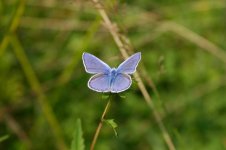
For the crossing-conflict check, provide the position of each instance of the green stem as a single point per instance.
(13, 26)
(36, 87)
(100, 124)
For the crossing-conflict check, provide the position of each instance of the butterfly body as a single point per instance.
(108, 79)
(112, 75)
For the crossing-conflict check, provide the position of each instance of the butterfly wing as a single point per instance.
(99, 83)
(129, 65)
(94, 65)
(121, 83)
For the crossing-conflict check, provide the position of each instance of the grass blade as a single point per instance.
(78, 140)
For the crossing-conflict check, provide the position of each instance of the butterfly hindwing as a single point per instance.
(94, 65)
(121, 83)
(129, 65)
(99, 83)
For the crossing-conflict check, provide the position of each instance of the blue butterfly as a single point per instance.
(108, 79)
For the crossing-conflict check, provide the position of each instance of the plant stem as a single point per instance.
(36, 87)
(100, 124)
(13, 26)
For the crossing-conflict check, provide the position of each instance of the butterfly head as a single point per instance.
(113, 72)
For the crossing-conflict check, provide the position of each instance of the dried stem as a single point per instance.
(113, 30)
(100, 125)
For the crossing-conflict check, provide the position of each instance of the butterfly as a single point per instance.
(108, 79)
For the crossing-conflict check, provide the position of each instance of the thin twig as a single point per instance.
(100, 125)
(113, 30)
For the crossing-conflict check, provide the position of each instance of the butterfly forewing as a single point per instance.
(99, 83)
(129, 65)
(121, 83)
(94, 65)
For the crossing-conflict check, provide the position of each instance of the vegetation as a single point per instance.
(43, 84)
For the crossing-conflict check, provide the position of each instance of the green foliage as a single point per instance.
(112, 124)
(43, 84)
(3, 138)
(105, 96)
(78, 140)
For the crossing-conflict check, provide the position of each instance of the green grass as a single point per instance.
(43, 85)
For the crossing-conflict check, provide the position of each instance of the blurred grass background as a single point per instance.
(43, 85)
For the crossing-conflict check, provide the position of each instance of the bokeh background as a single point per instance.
(43, 85)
